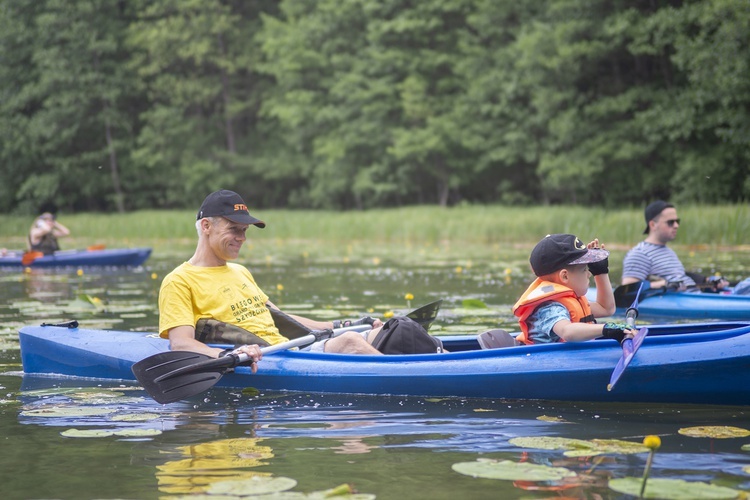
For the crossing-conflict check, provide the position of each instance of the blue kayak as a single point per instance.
(663, 304)
(706, 363)
(76, 258)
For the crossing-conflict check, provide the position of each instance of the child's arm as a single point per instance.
(579, 332)
(605, 299)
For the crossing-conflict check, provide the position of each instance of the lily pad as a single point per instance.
(672, 489)
(545, 418)
(257, 485)
(715, 431)
(609, 446)
(580, 447)
(137, 432)
(511, 471)
(473, 304)
(67, 411)
(87, 433)
(550, 443)
(135, 417)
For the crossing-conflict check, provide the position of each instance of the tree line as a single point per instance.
(118, 105)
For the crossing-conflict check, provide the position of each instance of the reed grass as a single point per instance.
(712, 226)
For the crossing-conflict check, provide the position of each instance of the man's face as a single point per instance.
(227, 238)
(666, 224)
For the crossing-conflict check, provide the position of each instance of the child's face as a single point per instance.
(578, 278)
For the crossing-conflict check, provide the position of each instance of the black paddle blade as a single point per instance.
(426, 314)
(174, 375)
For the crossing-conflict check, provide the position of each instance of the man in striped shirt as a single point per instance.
(651, 259)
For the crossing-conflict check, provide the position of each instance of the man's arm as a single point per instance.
(182, 338)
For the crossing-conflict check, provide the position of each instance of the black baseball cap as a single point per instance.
(556, 251)
(225, 203)
(653, 211)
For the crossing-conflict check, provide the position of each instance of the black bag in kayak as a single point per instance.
(402, 335)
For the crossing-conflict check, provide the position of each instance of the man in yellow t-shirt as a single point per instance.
(209, 286)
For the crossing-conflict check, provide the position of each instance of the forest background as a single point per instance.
(114, 106)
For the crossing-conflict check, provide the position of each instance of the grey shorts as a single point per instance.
(320, 345)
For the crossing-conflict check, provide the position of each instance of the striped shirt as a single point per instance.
(646, 259)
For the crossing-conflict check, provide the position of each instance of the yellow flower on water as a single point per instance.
(346, 260)
(508, 271)
(154, 276)
(459, 269)
(388, 314)
(280, 287)
(376, 260)
(409, 296)
(79, 272)
(370, 310)
(27, 270)
(652, 442)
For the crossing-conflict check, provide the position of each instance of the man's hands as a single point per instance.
(365, 320)
(253, 351)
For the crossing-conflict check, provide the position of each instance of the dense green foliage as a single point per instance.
(135, 104)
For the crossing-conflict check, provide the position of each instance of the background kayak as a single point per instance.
(663, 304)
(85, 257)
(691, 363)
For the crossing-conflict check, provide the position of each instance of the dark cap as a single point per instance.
(653, 211)
(556, 251)
(225, 203)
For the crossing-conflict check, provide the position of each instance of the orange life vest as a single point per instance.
(544, 291)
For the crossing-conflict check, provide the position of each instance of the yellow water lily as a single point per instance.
(79, 272)
(154, 276)
(652, 442)
(409, 296)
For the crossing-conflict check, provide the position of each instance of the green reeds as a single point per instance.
(726, 225)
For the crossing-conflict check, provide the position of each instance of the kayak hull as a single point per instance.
(675, 305)
(76, 258)
(694, 363)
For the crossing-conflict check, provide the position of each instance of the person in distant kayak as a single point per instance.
(652, 260)
(554, 308)
(44, 233)
(209, 286)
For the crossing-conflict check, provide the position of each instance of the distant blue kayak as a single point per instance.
(662, 304)
(75, 258)
(689, 363)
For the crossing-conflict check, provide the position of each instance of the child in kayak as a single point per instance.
(554, 308)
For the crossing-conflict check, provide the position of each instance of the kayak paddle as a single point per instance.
(173, 375)
(29, 257)
(629, 346)
(624, 293)
(426, 314)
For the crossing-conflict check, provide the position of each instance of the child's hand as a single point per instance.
(617, 331)
(601, 267)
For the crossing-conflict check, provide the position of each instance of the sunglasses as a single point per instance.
(672, 222)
